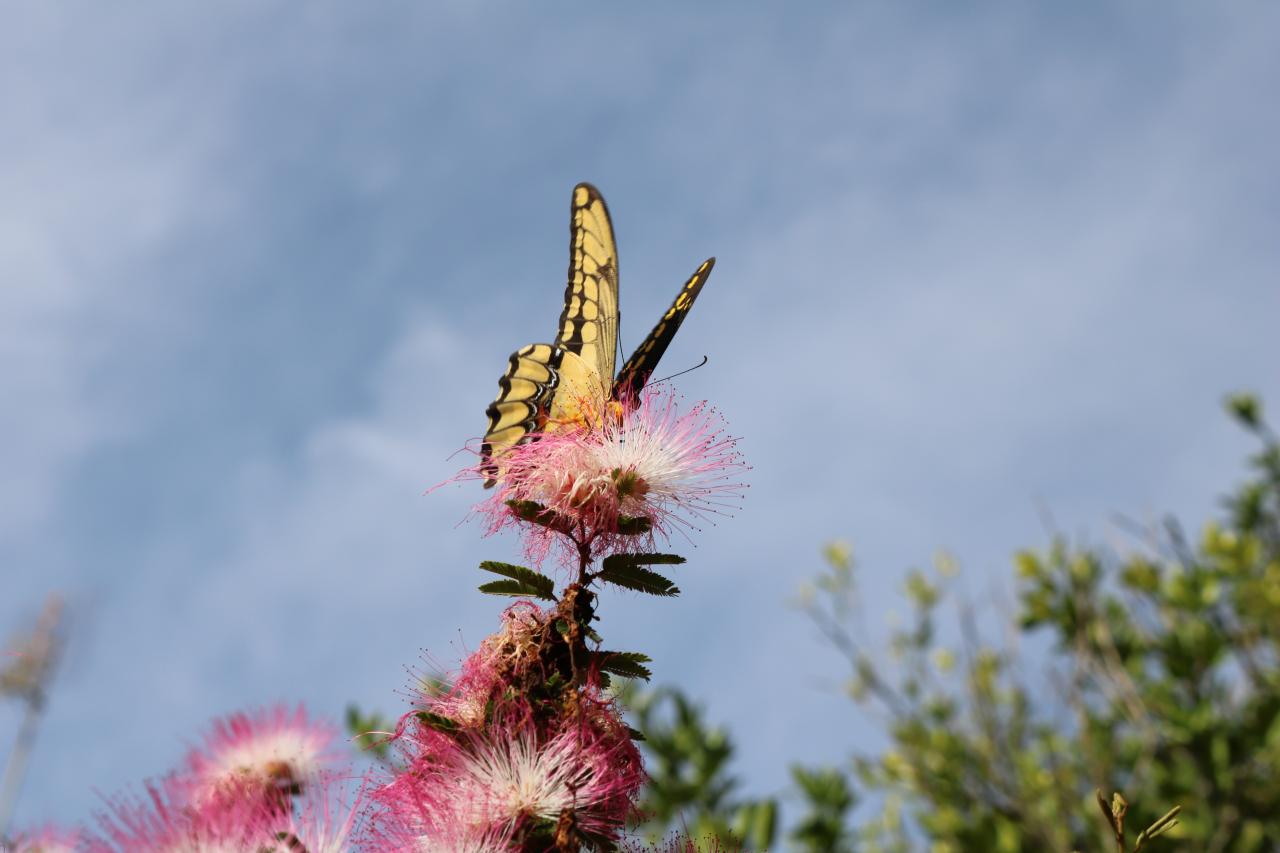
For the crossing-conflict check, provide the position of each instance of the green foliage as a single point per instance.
(523, 582)
(1163, 679)
(1114, 812)
(628, 572)
(1157, 673)
(830, 799)
(625, 664)
(442, 724)
(368, 732)
(618, 561)
(690, 789)
(634, 525)
(535, 513)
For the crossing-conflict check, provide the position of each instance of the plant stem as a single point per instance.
(17, 764)
(584, 560)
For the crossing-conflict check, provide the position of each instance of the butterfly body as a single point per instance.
(572, 380)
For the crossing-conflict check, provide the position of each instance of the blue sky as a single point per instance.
(261, 266)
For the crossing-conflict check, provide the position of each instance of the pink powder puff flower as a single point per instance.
(164, 822)
(274, 752)
(511, 649)
(506, 781)
(49, 839)
(460, 841)
(650, 462)
(403, 836)
(494, 783)
(679, 843)
(325, 820)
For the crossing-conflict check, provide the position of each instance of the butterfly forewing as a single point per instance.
(589, 322)
(637, 370)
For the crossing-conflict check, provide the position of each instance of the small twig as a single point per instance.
(28, 678)
(1161, 826)
(17, 763)
(1114, 813)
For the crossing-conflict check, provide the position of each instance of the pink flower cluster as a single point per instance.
(236, 792)
(650, 462)
(505, 760)
(47, 840)
(522, 751)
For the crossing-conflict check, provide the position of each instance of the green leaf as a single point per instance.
(513, 588)
(437, 722)
(625, 664)
(634, 526)
(756, 823)
(1246, 408)
(535, 513)
(628, 574)
(368, 731)
(615, 561)
(537, 584)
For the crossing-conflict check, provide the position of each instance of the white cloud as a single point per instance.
(98, 173)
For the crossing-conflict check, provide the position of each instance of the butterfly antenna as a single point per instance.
(681, 373)
(620, 351)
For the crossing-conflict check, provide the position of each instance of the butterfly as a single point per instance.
(549, 384)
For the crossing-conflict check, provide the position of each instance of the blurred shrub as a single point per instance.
(1155, 672)
(1161, 678)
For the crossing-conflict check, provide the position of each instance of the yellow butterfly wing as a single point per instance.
(589, 322)
(550, 383)
(571, 380)
(524, 394)
(544, 385)
(637, 369)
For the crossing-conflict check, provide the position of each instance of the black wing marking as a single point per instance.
(589, 322)
(524, 396)
(636, 372)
